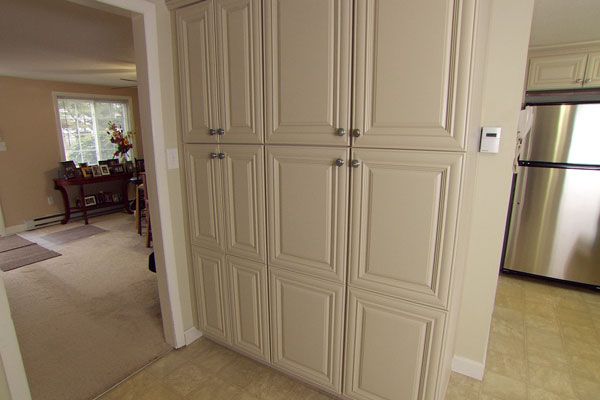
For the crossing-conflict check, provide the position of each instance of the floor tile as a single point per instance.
(543, 338)
(187, 378)
(503, 387)
(551, 379)
(535, 393)
(506, 365)
(462, 387)
(586, 389)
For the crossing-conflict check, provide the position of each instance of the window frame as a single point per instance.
(89, 96)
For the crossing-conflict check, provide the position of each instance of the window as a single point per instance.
(83, 126)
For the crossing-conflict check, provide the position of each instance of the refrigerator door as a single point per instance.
(555, 225)
(564, 134)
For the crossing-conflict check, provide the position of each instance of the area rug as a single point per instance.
(23, 256)
(13, 242)
(73, 234)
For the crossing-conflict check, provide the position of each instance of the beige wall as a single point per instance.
(28, 127)
(508, 38)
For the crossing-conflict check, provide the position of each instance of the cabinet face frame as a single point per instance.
(258, 344)
(207, 263)
(205, 78)
(332, 296)
(428, 352)
(253, 214)
(446, 168)
(333, 265)
(249, 76)
(197, 160)
(447, 132)
(316, 132)
(568, 71)
(592, 71)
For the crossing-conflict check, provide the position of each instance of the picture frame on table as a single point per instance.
(116, 198)
(96, 171)
(118, 169)
(129, 167)
(86, 172)
(67, 170)
(89, 201)
(105, 170)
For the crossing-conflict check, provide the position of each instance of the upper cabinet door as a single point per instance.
(204, 195)
(307, 203)
(411, 72)
(564, 71)
(403, 219)
(307, 71)
(240, 72)
(195, 31)
(244, 200)
(592, 72)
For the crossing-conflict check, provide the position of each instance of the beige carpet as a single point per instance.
(88, 319)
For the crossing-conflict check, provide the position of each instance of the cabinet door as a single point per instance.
(307, 199)
(306, 327)
(403, 219)
(592, 72)
(411, 72)
(556, 72)
(249, 309)
(393, 349)
(195, 34)
(307, 71)
(239, 59)
(212, 293)
(203, 178)
(244, 200)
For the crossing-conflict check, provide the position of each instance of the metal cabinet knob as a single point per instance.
(220, 131)
(587, 80)
(356, 133)
(221, 156)
(339, 162)
(355, 163)
(212, 132)
(340, 132)
(578, 80)
(213, 155)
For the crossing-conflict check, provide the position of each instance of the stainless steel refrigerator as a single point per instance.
(554, 225)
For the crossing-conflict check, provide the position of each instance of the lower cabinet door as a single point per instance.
(393, 348)
(211, 293)
(306, 327)
(249, 309)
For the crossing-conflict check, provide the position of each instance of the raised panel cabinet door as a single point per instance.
(307, 199)
(240, 72)
(411, 73)
(205, 209)
(307, 71)
(197, 75)
(403, 219)
(393, 349)
(592, 72)
(244, 200)
(564, 71)
(249, 308)
(212, 293)
(306, 327)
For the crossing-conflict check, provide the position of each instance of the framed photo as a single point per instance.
(129, 167)
(112, 162)
(86, 172)
(139, 165)
(96, 171)
(100, 198)
(104, 169)
(67, 170)
(116, 198)
(89, 201)
(107, 197)
(118, 169)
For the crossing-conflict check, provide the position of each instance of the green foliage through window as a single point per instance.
(83, 124)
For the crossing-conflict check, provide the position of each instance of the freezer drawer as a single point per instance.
(555, 224)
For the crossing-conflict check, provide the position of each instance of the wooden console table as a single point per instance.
(62, 184)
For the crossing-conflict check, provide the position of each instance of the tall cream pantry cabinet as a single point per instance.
(325, 145)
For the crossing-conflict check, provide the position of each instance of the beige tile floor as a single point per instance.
(544, 345)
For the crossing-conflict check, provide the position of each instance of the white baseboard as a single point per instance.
(191, 335)
(470, 368)
(12, 230)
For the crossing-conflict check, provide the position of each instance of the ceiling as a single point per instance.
(565, 21)
(62, 41)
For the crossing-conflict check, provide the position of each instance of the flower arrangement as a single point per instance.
(121, 140)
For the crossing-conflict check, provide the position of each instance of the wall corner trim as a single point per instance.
(191, 335)
(470, 368)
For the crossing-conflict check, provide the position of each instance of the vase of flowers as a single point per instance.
(123, 141)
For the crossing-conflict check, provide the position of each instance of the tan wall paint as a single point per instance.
(503, 88)
(28, 126)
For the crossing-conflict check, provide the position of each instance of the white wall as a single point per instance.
(505, 65)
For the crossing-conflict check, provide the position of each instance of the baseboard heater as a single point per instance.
(56, 218)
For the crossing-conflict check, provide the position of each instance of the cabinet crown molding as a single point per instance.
(175, 4)
(568, 48)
